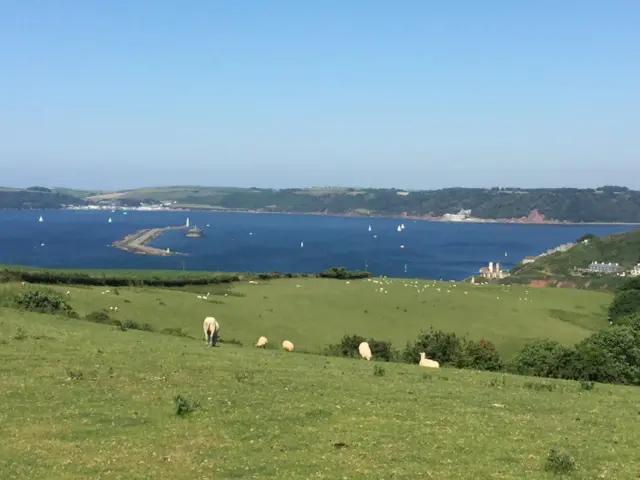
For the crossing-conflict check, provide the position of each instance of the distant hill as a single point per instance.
(604, 204)
(623, 248)
(37, 198)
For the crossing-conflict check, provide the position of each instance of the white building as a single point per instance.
(635, 271)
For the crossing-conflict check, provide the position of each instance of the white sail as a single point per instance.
(301, 244)
(109, 219)
(41, 219)
(399, 228)
(188, 223)
(369, 227)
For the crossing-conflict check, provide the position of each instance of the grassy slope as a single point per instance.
(277, 415)
(321, 311)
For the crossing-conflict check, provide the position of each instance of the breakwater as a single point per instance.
(138, 241)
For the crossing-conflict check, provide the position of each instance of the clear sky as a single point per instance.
(282, 93)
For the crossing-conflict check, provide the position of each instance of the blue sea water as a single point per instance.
(241, 242)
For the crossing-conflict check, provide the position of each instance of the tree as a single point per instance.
(587, 236)
(625, 304)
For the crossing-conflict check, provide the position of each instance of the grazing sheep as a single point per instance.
(211, 330)
(287, 345)
(425, 362)
(365, 350)
(262, 342)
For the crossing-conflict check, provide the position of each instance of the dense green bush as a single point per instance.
(43, 301)
(618, 359)
(54, 277)
(481, 355)
(103, 317)
(343, 274)
(445, 347)
(539, 358)
(631, 284)
(624, 304)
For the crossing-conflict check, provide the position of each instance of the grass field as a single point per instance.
(315, 312)
(81, 400)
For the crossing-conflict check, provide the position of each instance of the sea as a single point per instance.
(246, 242)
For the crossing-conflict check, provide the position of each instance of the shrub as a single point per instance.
(342, 273)
(379, 371)
(133, 325)
(43, 301)
(185, 406)
(482, 355)
(539, 359)
(175, 331)
(99, 316)
(445, 348)
(559, 462)
(624, 304)
(612, 355)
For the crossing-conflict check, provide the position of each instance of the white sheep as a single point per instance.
(287, 345)
(365, 350)
(425, 362)
(262, 342)
(211, 330)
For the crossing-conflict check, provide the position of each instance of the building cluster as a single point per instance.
(560, 248)
(160, 206)
(493, 271)
(457, 217)
(613, 269)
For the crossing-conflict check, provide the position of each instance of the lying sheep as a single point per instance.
(425, 362)
(262, 342)
(211, 329)
(287, 345)
(365, 350)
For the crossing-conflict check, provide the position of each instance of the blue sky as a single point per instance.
(409, 94)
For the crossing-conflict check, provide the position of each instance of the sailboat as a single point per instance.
(187, 224)
(399, 228)
(109, 219)
(41, 219)
(369, 227)
(402, 226)
(301, 244)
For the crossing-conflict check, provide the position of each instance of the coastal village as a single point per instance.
(495, 270)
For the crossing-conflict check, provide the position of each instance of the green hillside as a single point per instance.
(623, 248)
(87, 400)
(603, 204)
(321, 311)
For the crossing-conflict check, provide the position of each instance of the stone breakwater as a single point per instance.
(137, 242)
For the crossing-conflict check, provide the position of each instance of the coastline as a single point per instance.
(137, 242)
(501, 221)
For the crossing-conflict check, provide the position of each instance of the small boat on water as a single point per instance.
(369, 227)
(301, 244)
(41, 219)
(109, 219)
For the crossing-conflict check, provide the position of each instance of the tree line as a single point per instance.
(603, 204)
